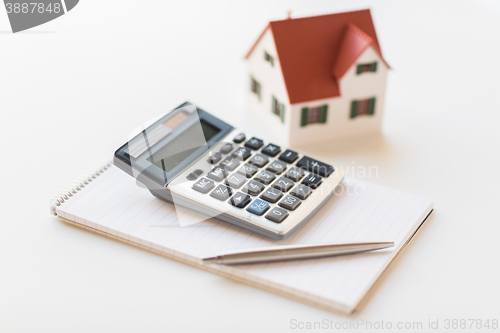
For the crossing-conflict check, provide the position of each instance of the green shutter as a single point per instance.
(371, 106)
(273, 105)
(354, 107)
(304, 116)
(324, 112)
(374, 67)
(282, 113)
(258, 89)
(359, 69)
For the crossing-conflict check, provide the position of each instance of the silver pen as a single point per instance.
(294, 252)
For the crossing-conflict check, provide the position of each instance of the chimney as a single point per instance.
(289, 15)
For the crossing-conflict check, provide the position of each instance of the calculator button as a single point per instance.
(235, 180)
(259, 160)
(248, 170)
(239, 138)
(271, 195)
(312, 180)
(221, 192)
(217, 174)
(283, 184)
(295, 174)
(271, 150)
(289, 156)
(240, 200)
(242, 153)
(203, 185)
(258, 207)
(290, 202)
(230, 163)
(277, 167)
(193, 175)
(254, 143)
(317, 167)
(265, 177)
(253, 187)
(301, 191)
(215, 158)
(227, 148)
(277, 215)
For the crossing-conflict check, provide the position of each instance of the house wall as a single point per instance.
(339, 124)
(272, 83)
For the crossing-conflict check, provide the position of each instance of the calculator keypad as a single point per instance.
(272, 183)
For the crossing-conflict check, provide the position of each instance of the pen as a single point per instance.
(294, 252)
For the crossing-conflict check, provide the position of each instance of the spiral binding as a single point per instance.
(77, 185)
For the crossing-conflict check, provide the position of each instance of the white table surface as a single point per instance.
(73, 89)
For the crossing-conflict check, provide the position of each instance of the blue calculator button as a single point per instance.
(258, 207)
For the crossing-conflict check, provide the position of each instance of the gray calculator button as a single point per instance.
(239, 138)
(301, 191)
(235, 180)
(271, 195)
(229, 163)
(240, 200)
(290, 202)
(203, 185)
(242, 153)
(253, 187)
(214, 158)
(265, 177)
(295, 174)
(277, 167)
(313, 181)
(277, 215)
(227, 148)
(259, 160)
(217, 174)
(283, 184)
(248, 170)
(221, 192)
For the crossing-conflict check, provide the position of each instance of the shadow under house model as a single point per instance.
(317, 79)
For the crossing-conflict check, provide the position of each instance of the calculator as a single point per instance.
(195, 160)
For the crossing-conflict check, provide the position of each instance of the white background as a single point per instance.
(72, 90)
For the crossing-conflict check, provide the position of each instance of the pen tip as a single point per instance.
(210, 260)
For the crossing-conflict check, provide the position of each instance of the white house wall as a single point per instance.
(272, 83)
(339, 124)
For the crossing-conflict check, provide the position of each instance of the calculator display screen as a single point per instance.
(182, 146)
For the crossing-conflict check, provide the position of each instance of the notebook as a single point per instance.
(109, 202)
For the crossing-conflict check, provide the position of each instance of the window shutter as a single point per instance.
(304, 115)
(273, 105)
(371, 106)
(258, 89)
(354, 107)
(374, 67)
(282, 113)
(359, 69)
(324, 112)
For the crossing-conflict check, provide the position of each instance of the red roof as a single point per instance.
(315, 52)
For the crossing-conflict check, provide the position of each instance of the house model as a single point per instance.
(317, 79)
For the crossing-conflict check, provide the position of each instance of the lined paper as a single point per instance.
(115, 205)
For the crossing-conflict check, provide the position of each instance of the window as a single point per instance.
(255, 86)
(314, 115)
(268, 57)
(278, 109)
(362, 107)
(362, 68)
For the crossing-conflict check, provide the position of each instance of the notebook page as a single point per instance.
(114, 204)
